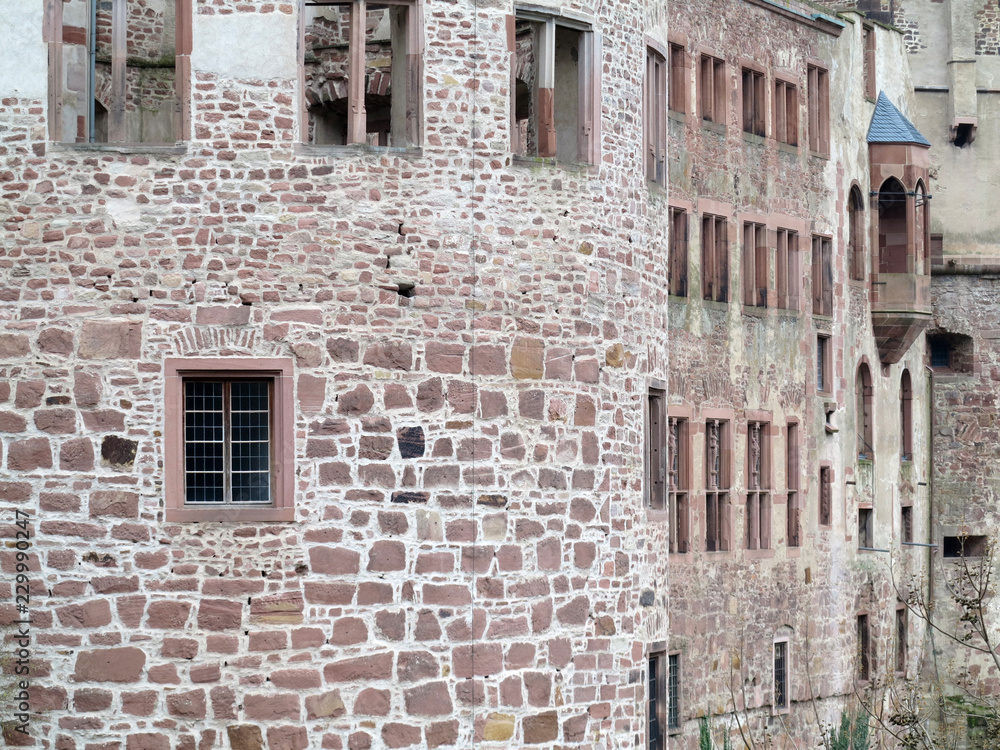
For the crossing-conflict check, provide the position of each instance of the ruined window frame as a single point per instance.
(902, 637)
(793, 509)
(656, 700)
(818, 123)
(357, 135)
(655, 452)
(677, 270)
(654, 110)
(758, 500)
(588, 66)
(856, 234)
(785, 127)
(712, 89)
(55, 39)
(753, 99)
(824, 505)
(718, 484)
(678, 65)
(679, 482)
(865, 664)
(278, 371)
(864, 403)
(787, 270)
(714, 258)
(822, 275)
(866, 526)
(906, 523)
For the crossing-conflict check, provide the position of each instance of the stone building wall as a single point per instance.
(471, 341)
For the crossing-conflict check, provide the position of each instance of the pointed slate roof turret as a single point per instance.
(888, 125)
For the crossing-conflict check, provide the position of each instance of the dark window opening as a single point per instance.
(822, 273)
(656, 721)
(786, 113)
(950, 351)
(964, 546)
(712, 89)
(793, 529)
(678, 267)
(863, 393)
(787, 277)
(655, 442)
(654, 116)
(824, 383)
(717, 479)
(715, 258)
(856, 234)
(866, 534)
(758, 483)
(906, 417)
(964, 134)
(678, 79)
(864, 649)
(678, 483)
(906, 521)
(755, 266)
(673, 691)
(825, 496)
(901, 638)
(753, 102)
(781, 674)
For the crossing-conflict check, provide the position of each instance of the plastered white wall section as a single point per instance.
(23, 60)
(266, 46)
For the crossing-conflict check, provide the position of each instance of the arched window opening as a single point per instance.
(863, 411)
(921, 230)
(892, 235)
(906, 416)
(856, 234)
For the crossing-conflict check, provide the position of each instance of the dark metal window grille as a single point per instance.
(781, 675)
(674, 691)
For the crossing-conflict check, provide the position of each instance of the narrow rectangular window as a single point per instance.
(755, 265)
(781, 674)
(906, 521)
(786, 113)
(678, 483)
(552, 95)
(715, 258)
(824, 383)
(794, 528)
(758, 480)
(361, 73)
(864, 649)
(819, 110)
(678, 268)
(717, 481)
(678, 79)
(753, 102)
(712, 89)
(871, 84)
(673, 691)
(822, 273)
(655, 441)
(654, 116)
(901, 637)
(825, 496)
(866, 532)
(655, 689)
(787, 279)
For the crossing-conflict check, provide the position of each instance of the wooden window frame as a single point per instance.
(753, 95)
(718, 485)
(758, 495)
(588, 69)
(756, 268)
(822, 275)
(793, 509)
(677, 272)
(56, 39)
(785, 128)
(715, 258)
(655, 115)
(279, 372)
(712, 89)
(818, 90)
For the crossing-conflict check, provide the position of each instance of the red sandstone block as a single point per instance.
(400, 735)
(86, 389)
(269, 641)
(93, 614)
(91, 699)
(219, 614)
(223, 316)
(245, 737)
(232, 586)
(167, 614)
(115, 584)
(104, 420)
(101, 339)
(311, 393)
(271, 706)
(222, 644)
(118, 503)
(349, 630)
(479, 660)
(372, 702)
(179, 648)
(11, 422)
(442, 733)
(14, 346)
(370, 592)
(311, 317)
(56, 421)
(130, 609)
(29, 394)
(109, 665)
(147, 741)
(385, 556)
(287, 738)
(377, 667)
(29, 455)
(389, 356)
(329, 593)
(164, 674)
(334, 560)
(47, 698)
(296, 679)
(326, 705)
(77, 455)
(307, 638)
(206, 673)
(449, 595)
(429, 699)
(413, 666)
(223, 702)
(445, 358)
(56, 341)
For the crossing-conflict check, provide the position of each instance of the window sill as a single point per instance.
(711, 304)
(657, 189)
(229, 514)
(657, 515)
(677, 300)
(357, 149)
(824, 155)
(714, 127)
(788, 148)
(164, 149)
(787, 312)
(552, 163)
(755, 311)
(758, 554)
(753, 138)
(676, 116)
(820, 318)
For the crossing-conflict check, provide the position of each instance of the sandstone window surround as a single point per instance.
(679, 483)
(866, 527)
(788, 279)
(757, 481)
(654, 114)
(712, 89)
(680, 69)
(825, 505)
(361, 73)
(863, 412)
(856, 234)
(677, 280)
(655, 453)
(822, 275)
(656, 695)
(785, 127)
(818, 117)
(715, 258)
(229, 439)
(756, 269)
(824, 365)
(718, 481)
(119, 72)
(793, 510)
(555, 102)
(753, 95)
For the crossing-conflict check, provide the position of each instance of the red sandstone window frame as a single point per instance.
(787, 273)
(753, 96)
(279, 371)
(406, 119)
(712, 89)
(656, 699)
(868, 47)
(824, 364)
(793, 509)
(906, 523)
(57, 36)
(655, 114)
(856, 234)
(756, 267)
(655, 452)
(824, 505)
(715, 258)
(865, 664)
(677, 271)
(818, 90)
(588, 63)
(864, 404)
(822, 275)
(679, 485)
(718, 481)
(906, 416)
(673, 674)
(902, 637)
(757, 481)
(785, 127)
(679, 66)
(781, 674)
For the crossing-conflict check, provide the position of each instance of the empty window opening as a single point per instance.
(361, 70)
(758, 482)
(965, 134)
(871, 84)
(793, 529)
(655, 443)
(950, 352)
(864, 649)
(906, 416)
(940, 352)
(824, 383)
(856, 234)
(656, 695)
(901, 637)
(781, 674)
(822, 275)
(715, 258)
(866, 531)
(712, 89)
(678, 267)
(906, 523)
(673, 691)
(863, 412)
(786, 113)
(825, 496)
(753, 102)
(755, 266)
(677, 98)
(787, 276)
(819, 109)
(964, 546)
(893, 246)
(552, 89)
(678, 483)
(717, 481)
(654, 116)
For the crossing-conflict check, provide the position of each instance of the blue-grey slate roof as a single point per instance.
(890, 126)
